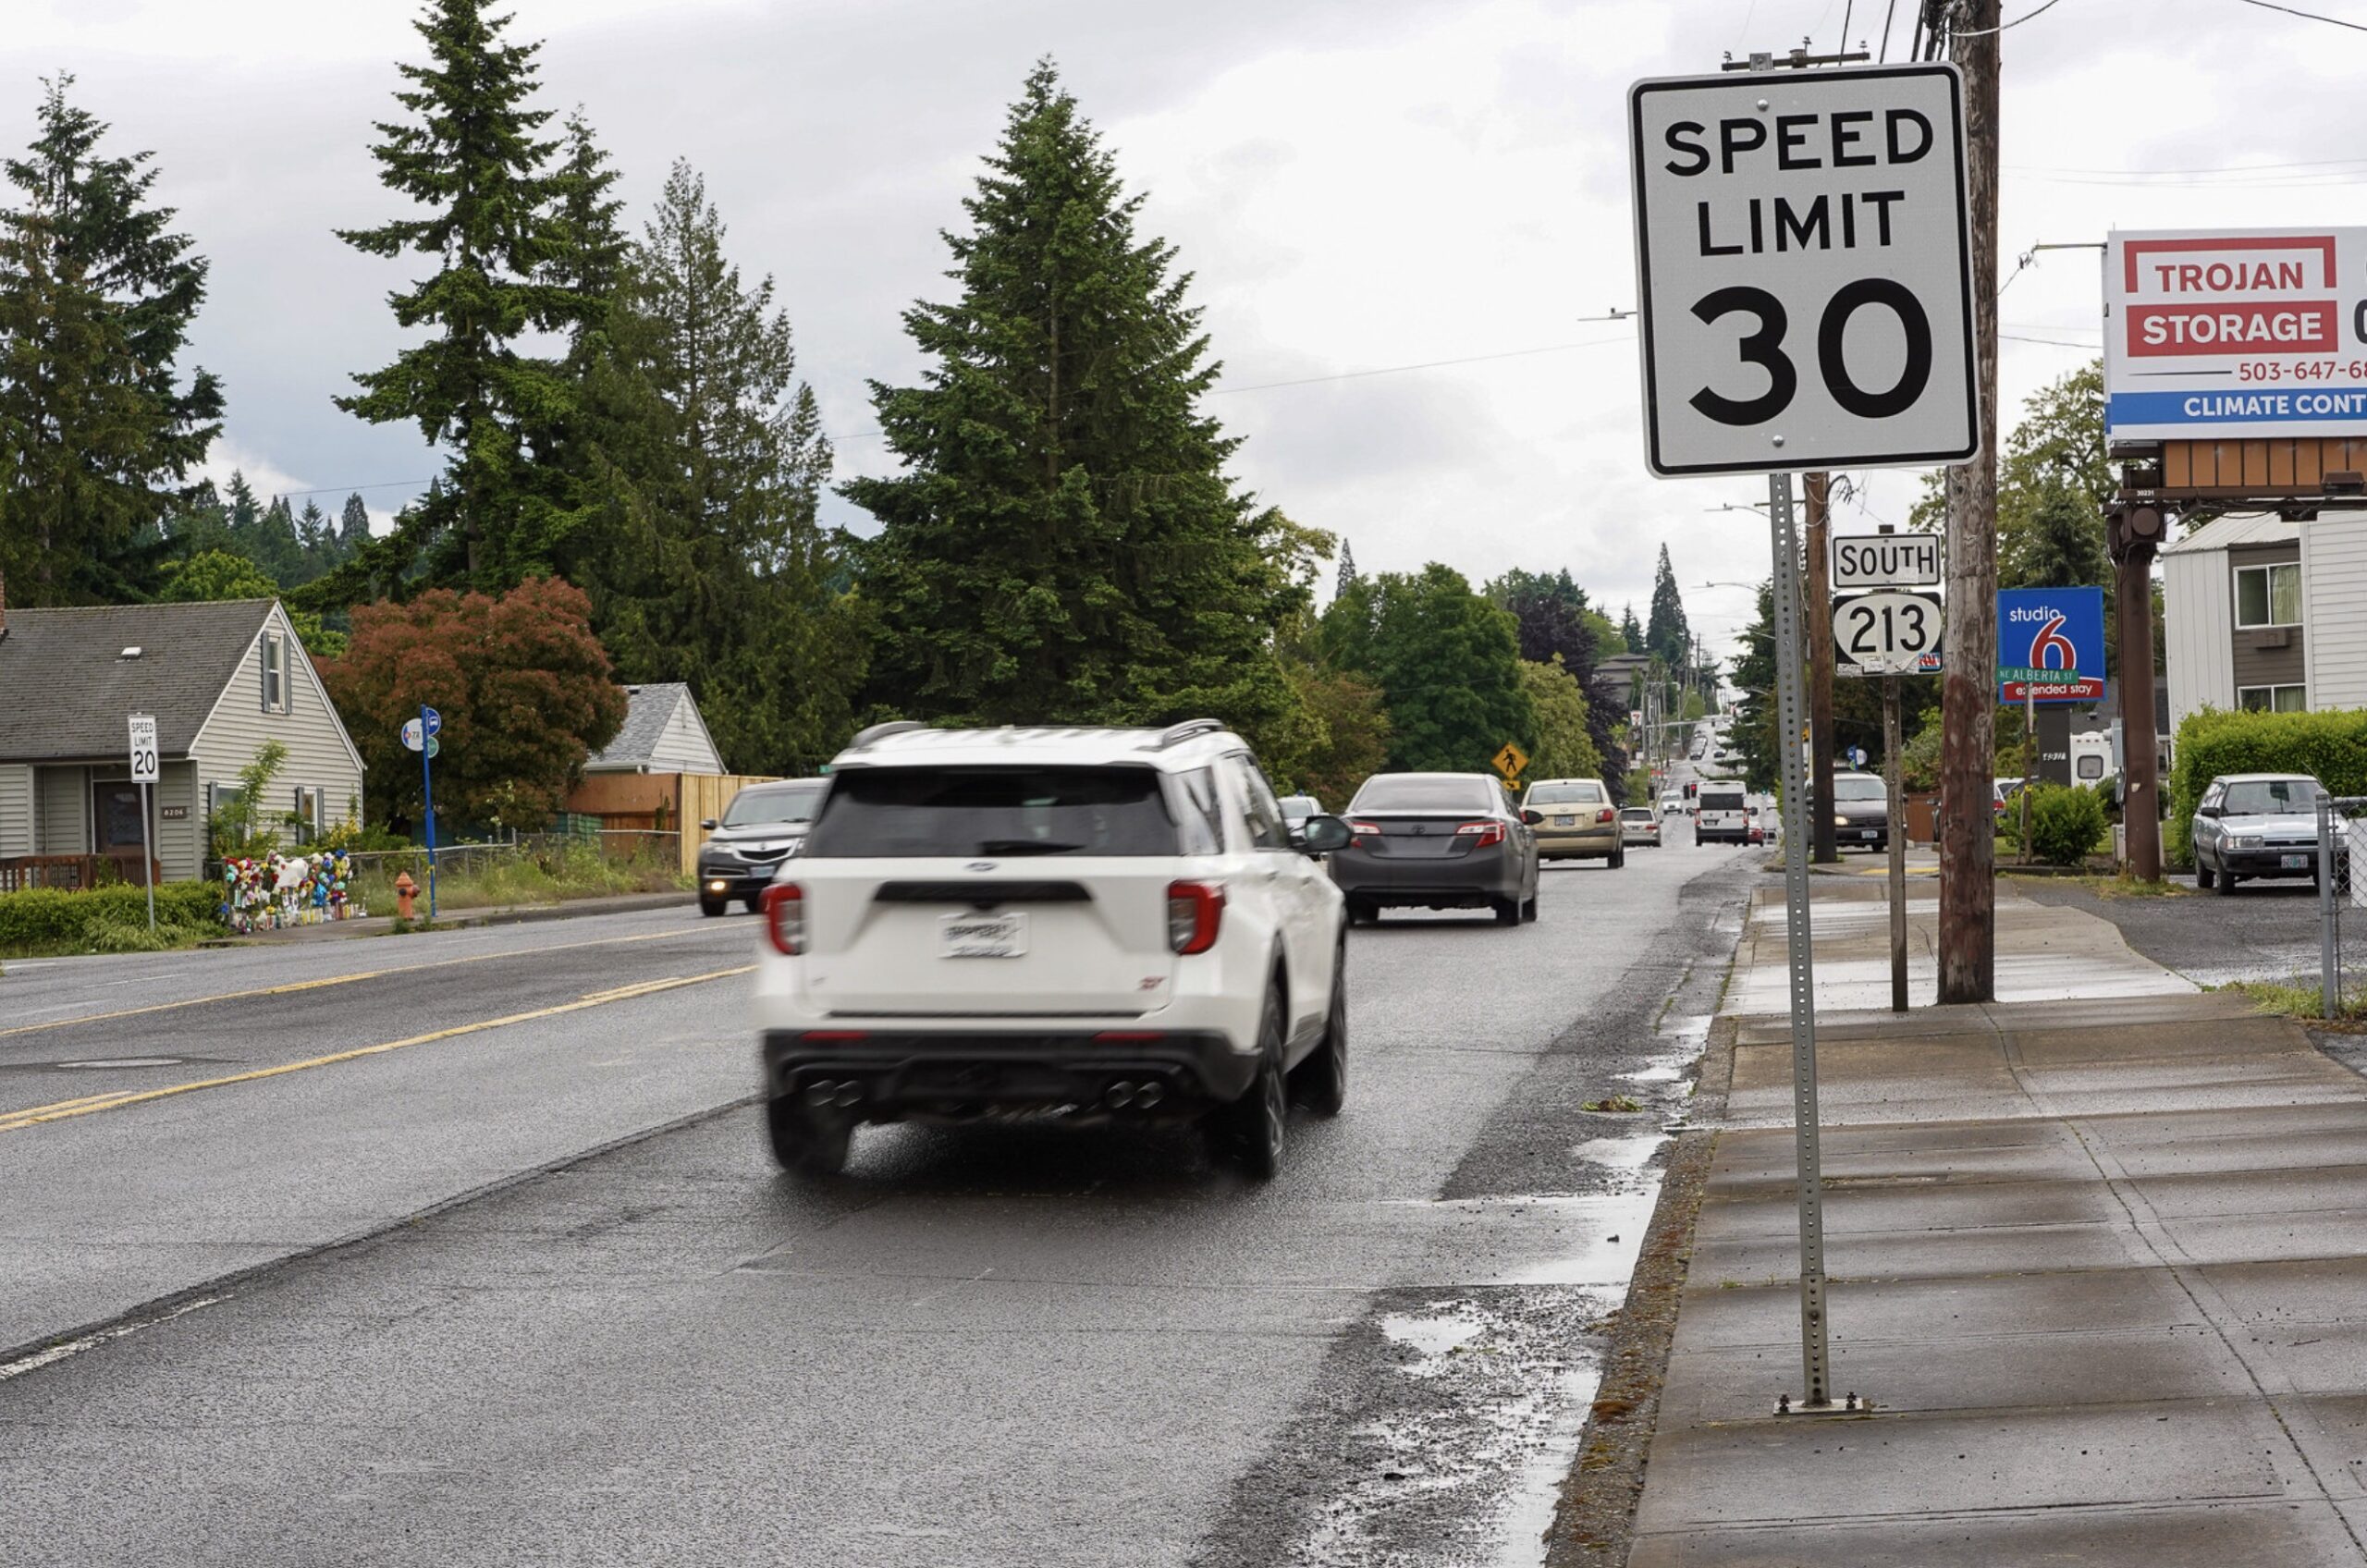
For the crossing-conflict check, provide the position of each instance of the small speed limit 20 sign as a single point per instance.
(1805, 268)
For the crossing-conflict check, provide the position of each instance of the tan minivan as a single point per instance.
(1579, 822)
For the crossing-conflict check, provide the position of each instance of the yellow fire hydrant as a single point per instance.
(405, 891)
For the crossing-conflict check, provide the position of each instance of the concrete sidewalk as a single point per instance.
(2099, 1260)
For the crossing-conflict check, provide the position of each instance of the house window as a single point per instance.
(308, 814)
(275, 673)
(2273, 699)
(2268, 595)
(220, 798)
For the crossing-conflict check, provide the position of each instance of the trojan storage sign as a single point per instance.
(2235, 333)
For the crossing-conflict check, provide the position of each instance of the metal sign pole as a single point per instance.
(1895, 789)
(1790, 714)
(427, 793)
(147, 858)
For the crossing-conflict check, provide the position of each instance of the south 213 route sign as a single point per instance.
(1805, 267)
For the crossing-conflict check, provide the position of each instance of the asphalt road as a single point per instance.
(571, 1315)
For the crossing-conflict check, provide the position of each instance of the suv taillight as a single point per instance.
(785, 917)
(1194, 910)
(1482, 834)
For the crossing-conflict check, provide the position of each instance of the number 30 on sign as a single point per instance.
(1886, 633)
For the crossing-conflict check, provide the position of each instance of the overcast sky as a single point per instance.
(1359, 185)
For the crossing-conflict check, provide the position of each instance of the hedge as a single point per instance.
(2331, 747)
(109, 919)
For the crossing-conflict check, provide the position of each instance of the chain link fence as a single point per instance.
(2342, 840)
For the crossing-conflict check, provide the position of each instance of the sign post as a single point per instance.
(144, 773)
(420, 734)
(1804, 262)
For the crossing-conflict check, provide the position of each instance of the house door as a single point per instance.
(115, 821)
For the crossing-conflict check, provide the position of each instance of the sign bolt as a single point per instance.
(1762, 106)
(1779, 440)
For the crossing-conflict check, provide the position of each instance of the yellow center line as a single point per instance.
(294, 985)
(14, 1120)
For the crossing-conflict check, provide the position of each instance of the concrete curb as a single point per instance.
(1594, 1525)
(524, 914)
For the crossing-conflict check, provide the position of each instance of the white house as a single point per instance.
(662, 733)
(221, 680)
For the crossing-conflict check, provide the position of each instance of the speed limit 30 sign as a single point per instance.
(1805, 267)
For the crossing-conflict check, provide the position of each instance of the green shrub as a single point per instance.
(111, 919)
(2331, 747)
(2065, 823)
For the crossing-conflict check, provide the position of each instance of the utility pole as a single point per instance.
(2134, 534)
(1820, 636)
(1969, 688)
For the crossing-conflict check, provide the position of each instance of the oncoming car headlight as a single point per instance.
(2244, 841)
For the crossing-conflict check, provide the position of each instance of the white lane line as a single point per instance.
(58, 1352)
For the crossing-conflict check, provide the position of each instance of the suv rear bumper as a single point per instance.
(892, 1075)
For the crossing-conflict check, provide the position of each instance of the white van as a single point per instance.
(2090, 757)
(1725, 813)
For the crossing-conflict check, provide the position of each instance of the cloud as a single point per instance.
(1355, 183)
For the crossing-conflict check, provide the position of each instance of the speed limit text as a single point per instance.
(1841, 139)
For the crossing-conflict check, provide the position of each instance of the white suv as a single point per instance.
(1093, 926)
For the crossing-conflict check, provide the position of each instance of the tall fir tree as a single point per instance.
(98, 434)
(1666, 635)
(1063, 543)
(352, 527)
(473, 157)
(705, 558)
(1347, 569)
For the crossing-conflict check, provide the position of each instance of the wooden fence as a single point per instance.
(660, 802)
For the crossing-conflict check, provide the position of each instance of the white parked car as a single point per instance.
(1087, 925)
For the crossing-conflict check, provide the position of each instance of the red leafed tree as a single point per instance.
(522, 686)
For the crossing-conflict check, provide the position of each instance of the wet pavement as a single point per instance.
(2095, 1262)
(989, 1346)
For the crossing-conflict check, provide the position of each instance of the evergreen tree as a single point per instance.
(1347, 569)
(277, 548)
(352, 527)
(97, 435)
(317, 537)
(475, 159)
(705, 559)
(1666, 636)
(1063, 544)
(1629, 633)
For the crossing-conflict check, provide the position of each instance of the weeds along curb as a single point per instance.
(1595, 1522)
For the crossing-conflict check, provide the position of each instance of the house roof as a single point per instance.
(649, 708)
(2242, 528)
(69, 687)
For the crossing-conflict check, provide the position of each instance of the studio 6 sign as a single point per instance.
(1805, 269)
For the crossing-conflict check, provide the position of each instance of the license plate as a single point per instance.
(2292, 863)
(982, 935)
(1565, 822)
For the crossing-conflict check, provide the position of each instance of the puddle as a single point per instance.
(1659, 1072)
(1432, 1337)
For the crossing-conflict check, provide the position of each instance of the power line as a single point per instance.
(2307, 16)
(1427, 364)
(2220, 168)
(1982, 32)
(2053, 342)
(1892, 10)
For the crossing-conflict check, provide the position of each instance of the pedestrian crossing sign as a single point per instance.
(1511, 760)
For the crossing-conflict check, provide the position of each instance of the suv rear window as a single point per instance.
(910, 812)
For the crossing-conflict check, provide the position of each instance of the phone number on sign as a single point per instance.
(2302, 370)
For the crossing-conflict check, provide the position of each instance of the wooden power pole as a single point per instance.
(1968, 933)
(1819, 632)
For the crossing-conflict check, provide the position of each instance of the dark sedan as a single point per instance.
(761, 828)
(1437, 841)
(1860, 810)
